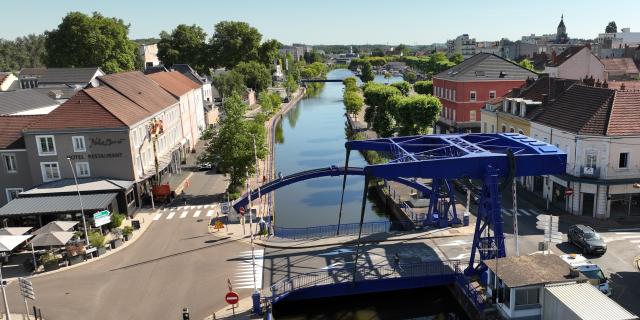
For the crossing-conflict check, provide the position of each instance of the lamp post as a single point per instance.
(84, 222)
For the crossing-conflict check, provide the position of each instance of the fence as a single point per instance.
(470, 292)
(347, 229)
(435, 269)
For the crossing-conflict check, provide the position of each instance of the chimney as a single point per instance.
(515, 92)
(605, 84)
(553, 57)
(623, 87)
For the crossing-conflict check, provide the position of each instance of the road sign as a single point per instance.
(568, 192)
(547, 217)
(545, 225)
(242, 211)
(26, 288)
(101, 218)
(555, 238)
(224, 207)
(231, 297)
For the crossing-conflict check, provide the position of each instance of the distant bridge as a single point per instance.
(320, 80)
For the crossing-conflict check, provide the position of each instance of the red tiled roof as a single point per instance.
(81, 111)
(11, 130)
(628, 85)
(174, 82)
(625, 114)
(119, 106)
(139, 89)
(620, 66)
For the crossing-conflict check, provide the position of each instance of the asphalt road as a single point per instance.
(175, 264)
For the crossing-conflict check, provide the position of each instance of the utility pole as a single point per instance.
(515, 216)
(4, 296)
(84, 221)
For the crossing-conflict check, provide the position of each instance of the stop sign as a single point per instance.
(568, 192)
(231, 297)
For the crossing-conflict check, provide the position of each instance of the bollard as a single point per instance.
(256, 303)
(465, 218)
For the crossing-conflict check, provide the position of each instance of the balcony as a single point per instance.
(590, 172)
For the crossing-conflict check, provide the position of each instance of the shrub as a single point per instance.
(48, 257)
(423, 87)
(116, 220)
(96, 239)
(128, 230)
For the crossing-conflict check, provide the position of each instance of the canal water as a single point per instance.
(310, 136)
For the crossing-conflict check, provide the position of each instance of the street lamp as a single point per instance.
(84, 222)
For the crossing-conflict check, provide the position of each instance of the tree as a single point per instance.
(350, 83)
(457, 58)
(264, 99)
(367, 72)
(229, 83)
(185, 44)
(377, 52)
(234, 42)
(410, 76)
(353, 102)
(91, 41)
(23, 52)
(423, 87)
(415, 114)
(291, 84)
(611, 27)
(383, 123)
(255, 75)
(313, 56)
(403, 86)
(377, 94)
(527, 64)
(268, 51)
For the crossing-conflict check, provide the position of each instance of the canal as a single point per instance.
(312, 135)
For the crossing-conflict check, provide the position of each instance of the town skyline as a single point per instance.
(508, 20)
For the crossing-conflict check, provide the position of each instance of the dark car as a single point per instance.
(587, 239)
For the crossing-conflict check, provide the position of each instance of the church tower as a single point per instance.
(561, 34)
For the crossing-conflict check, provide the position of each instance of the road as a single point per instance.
(174, 264)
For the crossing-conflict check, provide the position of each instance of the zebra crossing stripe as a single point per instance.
(522, 211)
(533, 212)
(171, 214)
(184, 214)
(157, 216)
(506, 212)
(196, 214)
(209, 213)
(199, 207)
(635, 241)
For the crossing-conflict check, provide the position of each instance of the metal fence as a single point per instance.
(347, 229)
(364, 273)
(476, 298)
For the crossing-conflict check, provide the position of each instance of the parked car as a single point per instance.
(587, 239)
(204, 166)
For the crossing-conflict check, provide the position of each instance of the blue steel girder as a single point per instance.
(461, 155)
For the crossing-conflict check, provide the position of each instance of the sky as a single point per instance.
(339, 21)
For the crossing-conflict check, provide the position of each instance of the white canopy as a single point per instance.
(8, 243)
(14, 231)
(52, 239)
(54, 226)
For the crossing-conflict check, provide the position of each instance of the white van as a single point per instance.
(590, 270)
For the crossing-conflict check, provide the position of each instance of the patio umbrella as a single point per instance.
(14, 231)
(8, 243)
(55, 226)
(52, 239)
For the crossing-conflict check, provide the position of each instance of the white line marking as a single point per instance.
(635, 241)
(533, 212)
(210, 213)
(522, 211)
(184, 214)
(199, 207)
(506, 212)
(157, 216)
(171, 214)
(625, 229)
(196, 214)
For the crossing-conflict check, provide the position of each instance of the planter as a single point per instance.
(50, 266)
(116, 243)
(101, 251)
(76, 259)
(128, 237)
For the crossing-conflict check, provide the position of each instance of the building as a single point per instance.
(465, 88)
(599, 129)
(8, 82)
(561, 33)
(463, 45)
(580, 301)
(26, 102)
(517, 283)
(622, 39)
(149, 54)
(576, 62)
(210, 93)
(29, 77)
(620, 69)
(75, 78)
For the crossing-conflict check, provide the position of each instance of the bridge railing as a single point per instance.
(364, 273)
(347, 229)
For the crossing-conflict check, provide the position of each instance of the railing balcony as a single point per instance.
(590, 172)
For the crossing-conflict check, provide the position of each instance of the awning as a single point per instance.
(57, 204)
(14, 231)
(8, 243)
(54, 226)
(52, 239)
(86, 185)
(163, 161)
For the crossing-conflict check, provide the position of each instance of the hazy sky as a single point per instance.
(339, 21)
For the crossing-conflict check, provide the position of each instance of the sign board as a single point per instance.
(224, 207)
(568, 192)
(26, 288)
(546, 217)
(242, 211)
(231, 297)
(545, 225)
(101, 218)
(542, 246)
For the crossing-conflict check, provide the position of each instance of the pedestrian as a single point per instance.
(264, 179)
(280, 175)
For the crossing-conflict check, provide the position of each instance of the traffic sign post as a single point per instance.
(26, 290)
(232, 298)
(549, 224)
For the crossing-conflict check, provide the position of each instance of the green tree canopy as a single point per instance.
(185, 44)
(353, 101)
(91, 41)
(527, 64)
(268, 51)
(611, 27)
(403, 86)
(367, 73)
(255, 75)
(291, 84)
(350, 83)
(229, 83)
(415, 114)
(410, 76)
(23, 52)
(234, 42)
(457, 58)
(377, 94)
(423, 87)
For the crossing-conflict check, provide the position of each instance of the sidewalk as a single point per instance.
(242, 311)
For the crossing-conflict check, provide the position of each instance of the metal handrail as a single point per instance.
(346, 229)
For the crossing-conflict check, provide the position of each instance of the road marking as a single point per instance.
(210, 213)
(336, 252)
(455, 243)
(157, 216)
(624, 229)
(461, 256)
(635, 241)
(522, 211)
(164, 209)
(505, 211)
(184, 214)
(199, 207)
(196, 214)
(171, 214)
(244, 278)
(533, 212)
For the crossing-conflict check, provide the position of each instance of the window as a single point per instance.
(527, 297)
(591, 158)
(50, 171)
(46, 145)
(82, 169)
(512, 130)
(10, 162)
(12, 193)
(130, 197)
(472, 115)
(623, 162)
(492, 94)
(453, 96)
(472, 96)
(78, 144)
(493, 128)
(520, 131)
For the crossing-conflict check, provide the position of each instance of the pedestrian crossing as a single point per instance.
(244, 276)
(631, 237)
(521, 212)
(184, 212)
